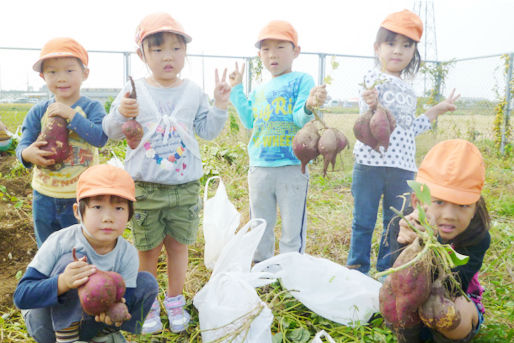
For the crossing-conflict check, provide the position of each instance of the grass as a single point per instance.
(330, 207)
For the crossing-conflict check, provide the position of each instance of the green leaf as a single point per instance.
(457, 259)
(421, 190)
(300, 335)
(277, 338)
(19, 274)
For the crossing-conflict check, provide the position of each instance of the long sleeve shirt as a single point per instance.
(85, 135)
(168, 152)
(274, 111)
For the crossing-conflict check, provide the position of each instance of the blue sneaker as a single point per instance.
(177, 315)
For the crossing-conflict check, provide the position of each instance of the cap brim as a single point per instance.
(39, 63)
(187, 38)
(456, 196)
(106, 191)
(276, 36)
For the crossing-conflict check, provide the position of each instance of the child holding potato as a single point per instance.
(166, 163)
(380, 171)
(63, 65)
(275, 111)
(47, 292)
(454, 172)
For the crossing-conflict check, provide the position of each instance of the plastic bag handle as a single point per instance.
(205, 192)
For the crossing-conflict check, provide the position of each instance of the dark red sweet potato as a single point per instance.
(381, 125)
(119, 284)
(118, 312)
(388, 308)
(305, 144)
(55, 133)
(132, 130)
(100, 292)
(362, 131)
(439, 312)
(331, 142)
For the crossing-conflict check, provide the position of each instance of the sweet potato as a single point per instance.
(388, 308)
(101, 291)
(132, 130)
(439, 312)
(362, 131)
(331, 142)
(118, 312)
(55, 133)
(381, 125)
(305, 144)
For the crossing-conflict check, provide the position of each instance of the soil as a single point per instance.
(17, 242)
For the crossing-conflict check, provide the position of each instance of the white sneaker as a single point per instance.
(153, 322)
(177, 315)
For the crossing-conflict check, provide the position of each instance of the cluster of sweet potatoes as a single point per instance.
(311, 141)
(55, 133)
(375, 127)
(103, 293)
(409, 296)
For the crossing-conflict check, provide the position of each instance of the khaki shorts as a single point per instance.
(162, 210)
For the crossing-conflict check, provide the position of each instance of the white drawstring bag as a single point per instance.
(220, 221)
(343, 295)
(229, 301)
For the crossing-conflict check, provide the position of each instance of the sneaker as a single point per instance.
(153, 322)
(177, 315)
(115, 337)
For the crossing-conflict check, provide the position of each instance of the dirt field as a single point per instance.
(17, 243)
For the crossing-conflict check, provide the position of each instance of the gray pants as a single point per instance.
(286, 187)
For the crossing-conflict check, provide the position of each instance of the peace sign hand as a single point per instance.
(221, 91)
(236, 77)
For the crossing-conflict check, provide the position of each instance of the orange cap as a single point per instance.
(106, 179)
(159, 22)
(280, 30)
(406, 23)
(61, 47)
(454, 171)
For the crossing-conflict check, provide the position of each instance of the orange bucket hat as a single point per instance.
(280, 30)
(105, 179)
(159, 22)
(454, 171)
(61, 47)
(406, 23)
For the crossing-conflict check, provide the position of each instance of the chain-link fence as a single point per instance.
(482, 81)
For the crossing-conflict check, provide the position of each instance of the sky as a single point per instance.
(464, 28)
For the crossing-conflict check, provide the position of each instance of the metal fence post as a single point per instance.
(321, 68)
(508, 100)
(126, 66)
(249, 71)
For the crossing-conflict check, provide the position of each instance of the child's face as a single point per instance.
(451, 219)
(64, 76)
(165, 60)
(396, 55)
(105, 218)
(277, 56)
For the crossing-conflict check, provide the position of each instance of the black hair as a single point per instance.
(385, 36)
(157, 39)
(477, 228)
(114, 198)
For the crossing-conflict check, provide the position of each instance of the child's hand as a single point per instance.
(35, 155)
(64, 111)
(317, 97)
(75, 275)
(236, 77)
(370, 97)
(444, 106)
(406, 235)
(221, 91)
(104, 318)
(128, 106)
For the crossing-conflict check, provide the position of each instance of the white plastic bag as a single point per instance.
(229, 301)
(220, 221)
(333, 291)
(115, 161)
(322, 334)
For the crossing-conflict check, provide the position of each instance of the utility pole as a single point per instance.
(428, 44)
